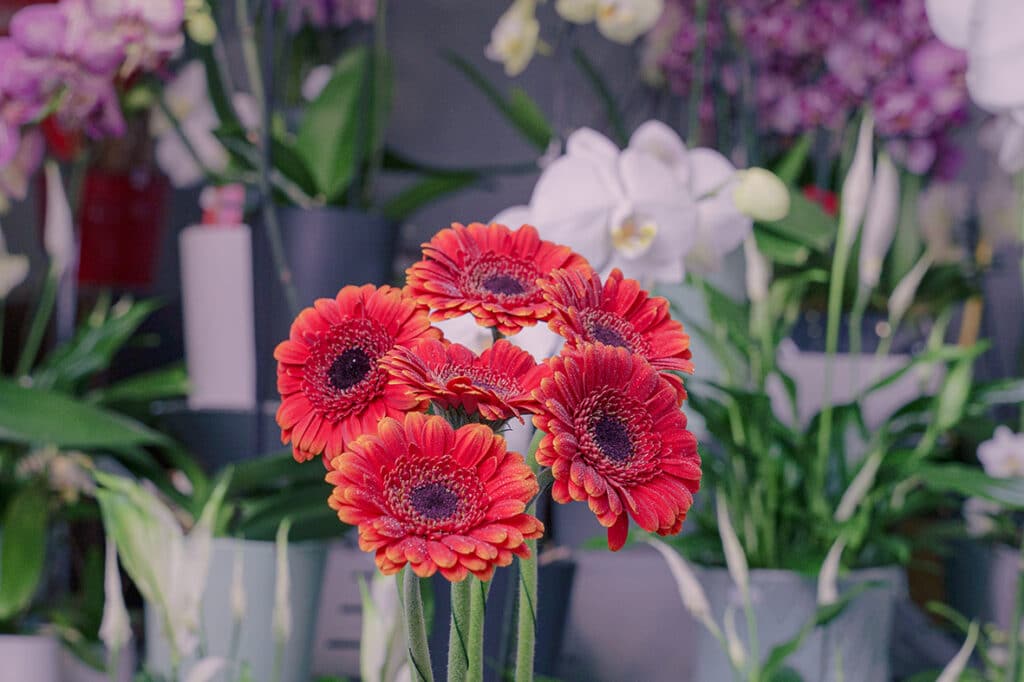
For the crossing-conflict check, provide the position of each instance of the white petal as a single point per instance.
(577, 11)
(956, 666)
(996, 54)
(661, 141)
(760, 194)
(591, 145)
(115, 627)
(571, 205)
(59, 237)
(514, 216)
(645, 179)
(13, 271)
(857, 184)
(316, 80)
(690, 591)
(710, 171)
(828, 590)
(758, 272)
(903, 295)
(623, 21)
(950, 20)
(880, 222)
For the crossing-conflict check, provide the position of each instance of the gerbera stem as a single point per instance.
(416, 627)
(458, 633)
(527, 624)
(477, 609)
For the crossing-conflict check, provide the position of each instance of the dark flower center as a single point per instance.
(612, 437)
(504, 284)
(608, 336)
(434, 501)
(349, 368)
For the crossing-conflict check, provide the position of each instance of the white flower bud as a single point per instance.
(760, 194)
(735, 559)
(59, 236)
(515, 37)
(115, 628)
(828, 577)
(759, 271)
(857, 185)
(880, 224)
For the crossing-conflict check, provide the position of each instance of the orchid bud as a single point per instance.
(857, 185)
(881, 221)
(623, 21)
(282, 616)
(514, 38)
(59, 235)
(115, 628)
(759, 271)
(760, 194)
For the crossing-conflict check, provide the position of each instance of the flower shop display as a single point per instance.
(440, 493)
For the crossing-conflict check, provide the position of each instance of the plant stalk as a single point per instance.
(458, 632)
(477, 611)
(416, 627)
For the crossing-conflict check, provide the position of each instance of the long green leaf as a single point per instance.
(169, 382)
(792, 164)
(971, 481)
(781, 250)
(328, 138)
(23, 550)
(425, 191)
(30, 415)
(520, 110)
(807, 224)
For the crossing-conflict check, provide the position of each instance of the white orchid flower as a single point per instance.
(515, 37)
(13, 269)
(188, 101)
(577, 11)
(857, 184)
(883, 215)
(168, 566)
(115, 627)
(990, 33)
(1002, 456)
(711, 180)
(627, 208)
(623, 21)
(59, 230)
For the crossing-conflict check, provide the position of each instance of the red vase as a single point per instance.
(121, 220)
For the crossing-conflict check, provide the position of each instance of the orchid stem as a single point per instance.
(860, 306)
(416, 627)
(697, 86)
(477, 611)
(458, 633)
(40, 321)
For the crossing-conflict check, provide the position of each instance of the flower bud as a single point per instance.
(857, 185)
(577, 11)
(880, 224)
(760, 194)
(515, 37)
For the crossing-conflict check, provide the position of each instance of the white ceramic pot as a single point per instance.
(29, 657)
(784, 601)
(256, 642)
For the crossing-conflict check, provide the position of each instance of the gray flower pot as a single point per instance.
(326, 248)
(29, 657)
(981, 581)
(783, 602)
(256, 643)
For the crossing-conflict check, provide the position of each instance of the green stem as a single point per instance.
(278, 661)
(527, 619)
(114, 665)
(40, 321)
(477, 611)
(697, 86)
(458, 651)
(1013, 665)
(860, 306)
(3, 314)
(835, 311)
(416, 627)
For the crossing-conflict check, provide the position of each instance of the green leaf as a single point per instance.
(521, 111)
(604, 93)
(970, 481)
(328, 138)
(941, 354)
(216, 87)
(781, 250)
(792, 164)
(807, 224)
(93, 347)
(169, 382)
(29, 415)
(292, 164)
(425, 191)
(952, 400)
(23, 550)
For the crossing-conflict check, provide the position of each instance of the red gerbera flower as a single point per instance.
(496, 385)
(614, 436)
(619, 313)
(489, 271)
(436, 498)
(332, 386)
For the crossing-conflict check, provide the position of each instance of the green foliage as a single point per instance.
(22, 549)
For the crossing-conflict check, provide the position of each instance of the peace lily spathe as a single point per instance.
(1002, 456)
(168, 566)
(59, 232)
(857, 184)
(515, 37)
(880, 223)
(115, 627)
(989, 30)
